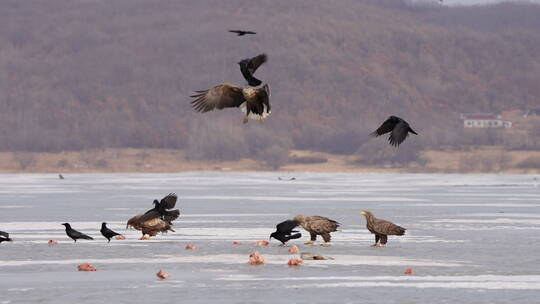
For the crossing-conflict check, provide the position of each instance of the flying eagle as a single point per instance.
(248, 67)
(317, 225)
(381, 228)
(4, 237)
(400, 130)
(284, 231)
(242, 33)
(253, 102)
(157, 219)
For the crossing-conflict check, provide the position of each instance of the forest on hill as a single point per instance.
(90, 74)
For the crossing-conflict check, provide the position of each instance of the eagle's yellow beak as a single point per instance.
(363, 213)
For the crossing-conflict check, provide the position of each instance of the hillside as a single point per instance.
(106, 74)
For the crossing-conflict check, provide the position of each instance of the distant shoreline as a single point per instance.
(129, 160)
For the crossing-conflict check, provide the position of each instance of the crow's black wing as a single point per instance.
(244, 69)
(287, 226)
(398, 135)
(108, 232)
(295, 236)
(255, 62)
(78, 235)
(171, 215)
(387, 126)
(149, 215)
(169, 201)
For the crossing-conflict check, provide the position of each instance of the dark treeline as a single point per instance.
(92, 74)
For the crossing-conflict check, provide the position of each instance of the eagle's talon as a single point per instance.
(326, 245)
(309, 243)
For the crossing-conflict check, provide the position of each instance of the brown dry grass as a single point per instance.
(492, 159)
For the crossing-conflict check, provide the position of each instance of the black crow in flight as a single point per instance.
(400, 130)
(242, 33)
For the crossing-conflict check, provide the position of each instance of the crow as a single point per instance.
(242, 33)
(4, 237)
(157, 219)
(60, 176)
(400, 130)
(107, 233)
(161, 211)
(248, 67)
(74, 234)
(284, 231)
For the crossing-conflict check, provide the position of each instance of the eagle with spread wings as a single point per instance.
(253, 102)
(157, 219)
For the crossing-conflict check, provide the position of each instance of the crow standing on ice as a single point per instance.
(400, 130)
(74, 234)
(242, 33)
(284, 231)
(107, 233)
(4, 237)
(248, 67)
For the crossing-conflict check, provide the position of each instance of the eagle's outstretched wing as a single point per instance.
(219, 97)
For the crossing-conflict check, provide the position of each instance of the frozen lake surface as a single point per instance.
(470, 239)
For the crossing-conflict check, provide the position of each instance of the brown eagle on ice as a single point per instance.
(253, 102)
(317, 225)
(381, 228)
(157, 219)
